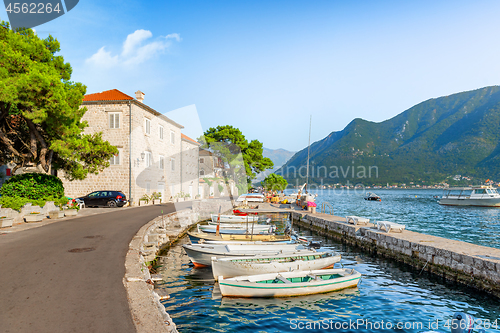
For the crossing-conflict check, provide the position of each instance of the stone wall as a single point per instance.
(158, 176)
(471, 265)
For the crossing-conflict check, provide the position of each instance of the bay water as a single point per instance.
(391, 297)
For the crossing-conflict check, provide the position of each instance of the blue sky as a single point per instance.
(266, 66)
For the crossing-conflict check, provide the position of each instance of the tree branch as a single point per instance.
(43, 151)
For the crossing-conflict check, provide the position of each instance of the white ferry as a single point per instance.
(485, 196)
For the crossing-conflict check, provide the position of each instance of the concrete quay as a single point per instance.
(468, 264)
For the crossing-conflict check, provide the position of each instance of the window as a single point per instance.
(202, 160)
(147, 126)
(172, 164)
(202, 172)
(115, 160)
(162, 162)
(161, 132)
(149, 159)
(114, 120)
(172, 137)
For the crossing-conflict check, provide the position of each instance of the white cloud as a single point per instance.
(134, 50)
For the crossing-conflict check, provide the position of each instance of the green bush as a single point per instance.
(17, 203)
(34, 186)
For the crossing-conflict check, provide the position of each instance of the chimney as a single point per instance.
(139, 95)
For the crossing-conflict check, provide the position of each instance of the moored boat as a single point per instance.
(201, 254)
(196, 236)
(251, 197)
(241, 230)
(370, 196)
(482, 196)
(239, 266)
(286, 284)
(234, 218)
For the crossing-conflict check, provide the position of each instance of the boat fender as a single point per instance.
(268, 220)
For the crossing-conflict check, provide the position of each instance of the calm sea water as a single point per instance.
(420, 212)
(390, 294)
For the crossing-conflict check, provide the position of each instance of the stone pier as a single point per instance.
(468, 264)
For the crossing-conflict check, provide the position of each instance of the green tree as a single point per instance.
(274, 182)
(244, 158)
(40, 114)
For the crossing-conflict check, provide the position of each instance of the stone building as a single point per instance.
(190, 182)
(150, 149)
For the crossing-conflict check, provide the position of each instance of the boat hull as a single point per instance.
(257, 229)
(247, 286)
(229, 267)
(493, 202)
(201, 255)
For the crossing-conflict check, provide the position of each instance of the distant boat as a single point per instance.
(238, 266)
(289, 283)
(482, 196)
(251, 197)
(370, 196)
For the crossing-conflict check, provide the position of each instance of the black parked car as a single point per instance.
(104, 198)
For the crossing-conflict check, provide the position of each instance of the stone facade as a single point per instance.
(149, 145)
(190, 182)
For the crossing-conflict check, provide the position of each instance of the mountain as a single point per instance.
(278, 156)
(441, 137)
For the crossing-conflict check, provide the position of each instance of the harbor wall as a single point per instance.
(148, 313)
(468, 264)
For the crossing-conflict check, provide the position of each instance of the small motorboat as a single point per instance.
(238, 266)
(251, 197)
(201, 254)
(370, 196)
(288, 284)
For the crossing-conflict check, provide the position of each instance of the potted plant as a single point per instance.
(34, 217)
(156, 197)
(72, 209)
(6, 222)
(56, 214)
(144, 200)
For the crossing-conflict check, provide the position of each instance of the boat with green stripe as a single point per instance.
(287, 284)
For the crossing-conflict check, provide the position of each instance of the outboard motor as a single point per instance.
(314, 245)
(463, 323)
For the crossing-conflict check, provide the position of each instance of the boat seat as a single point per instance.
(282, 279)
(388, 226)
(356, 220)
(313, 276)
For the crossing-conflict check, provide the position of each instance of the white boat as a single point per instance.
(195, 237)
(255, 230)
(486, 196)
(251, 197)
(234, 218)
(287, 284)
(201, 254)
(238, 266)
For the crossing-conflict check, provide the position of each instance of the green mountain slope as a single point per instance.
(456, 134)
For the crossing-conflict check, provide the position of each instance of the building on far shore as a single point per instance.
(153, 155)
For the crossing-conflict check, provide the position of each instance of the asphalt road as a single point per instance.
(46, 287)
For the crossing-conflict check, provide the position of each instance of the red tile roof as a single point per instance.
(185, 137)
(108, 95)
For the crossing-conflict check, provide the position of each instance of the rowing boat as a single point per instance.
(196, 236)
(230, 267)
(201, 254)
(287, 284)
(234, 218)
